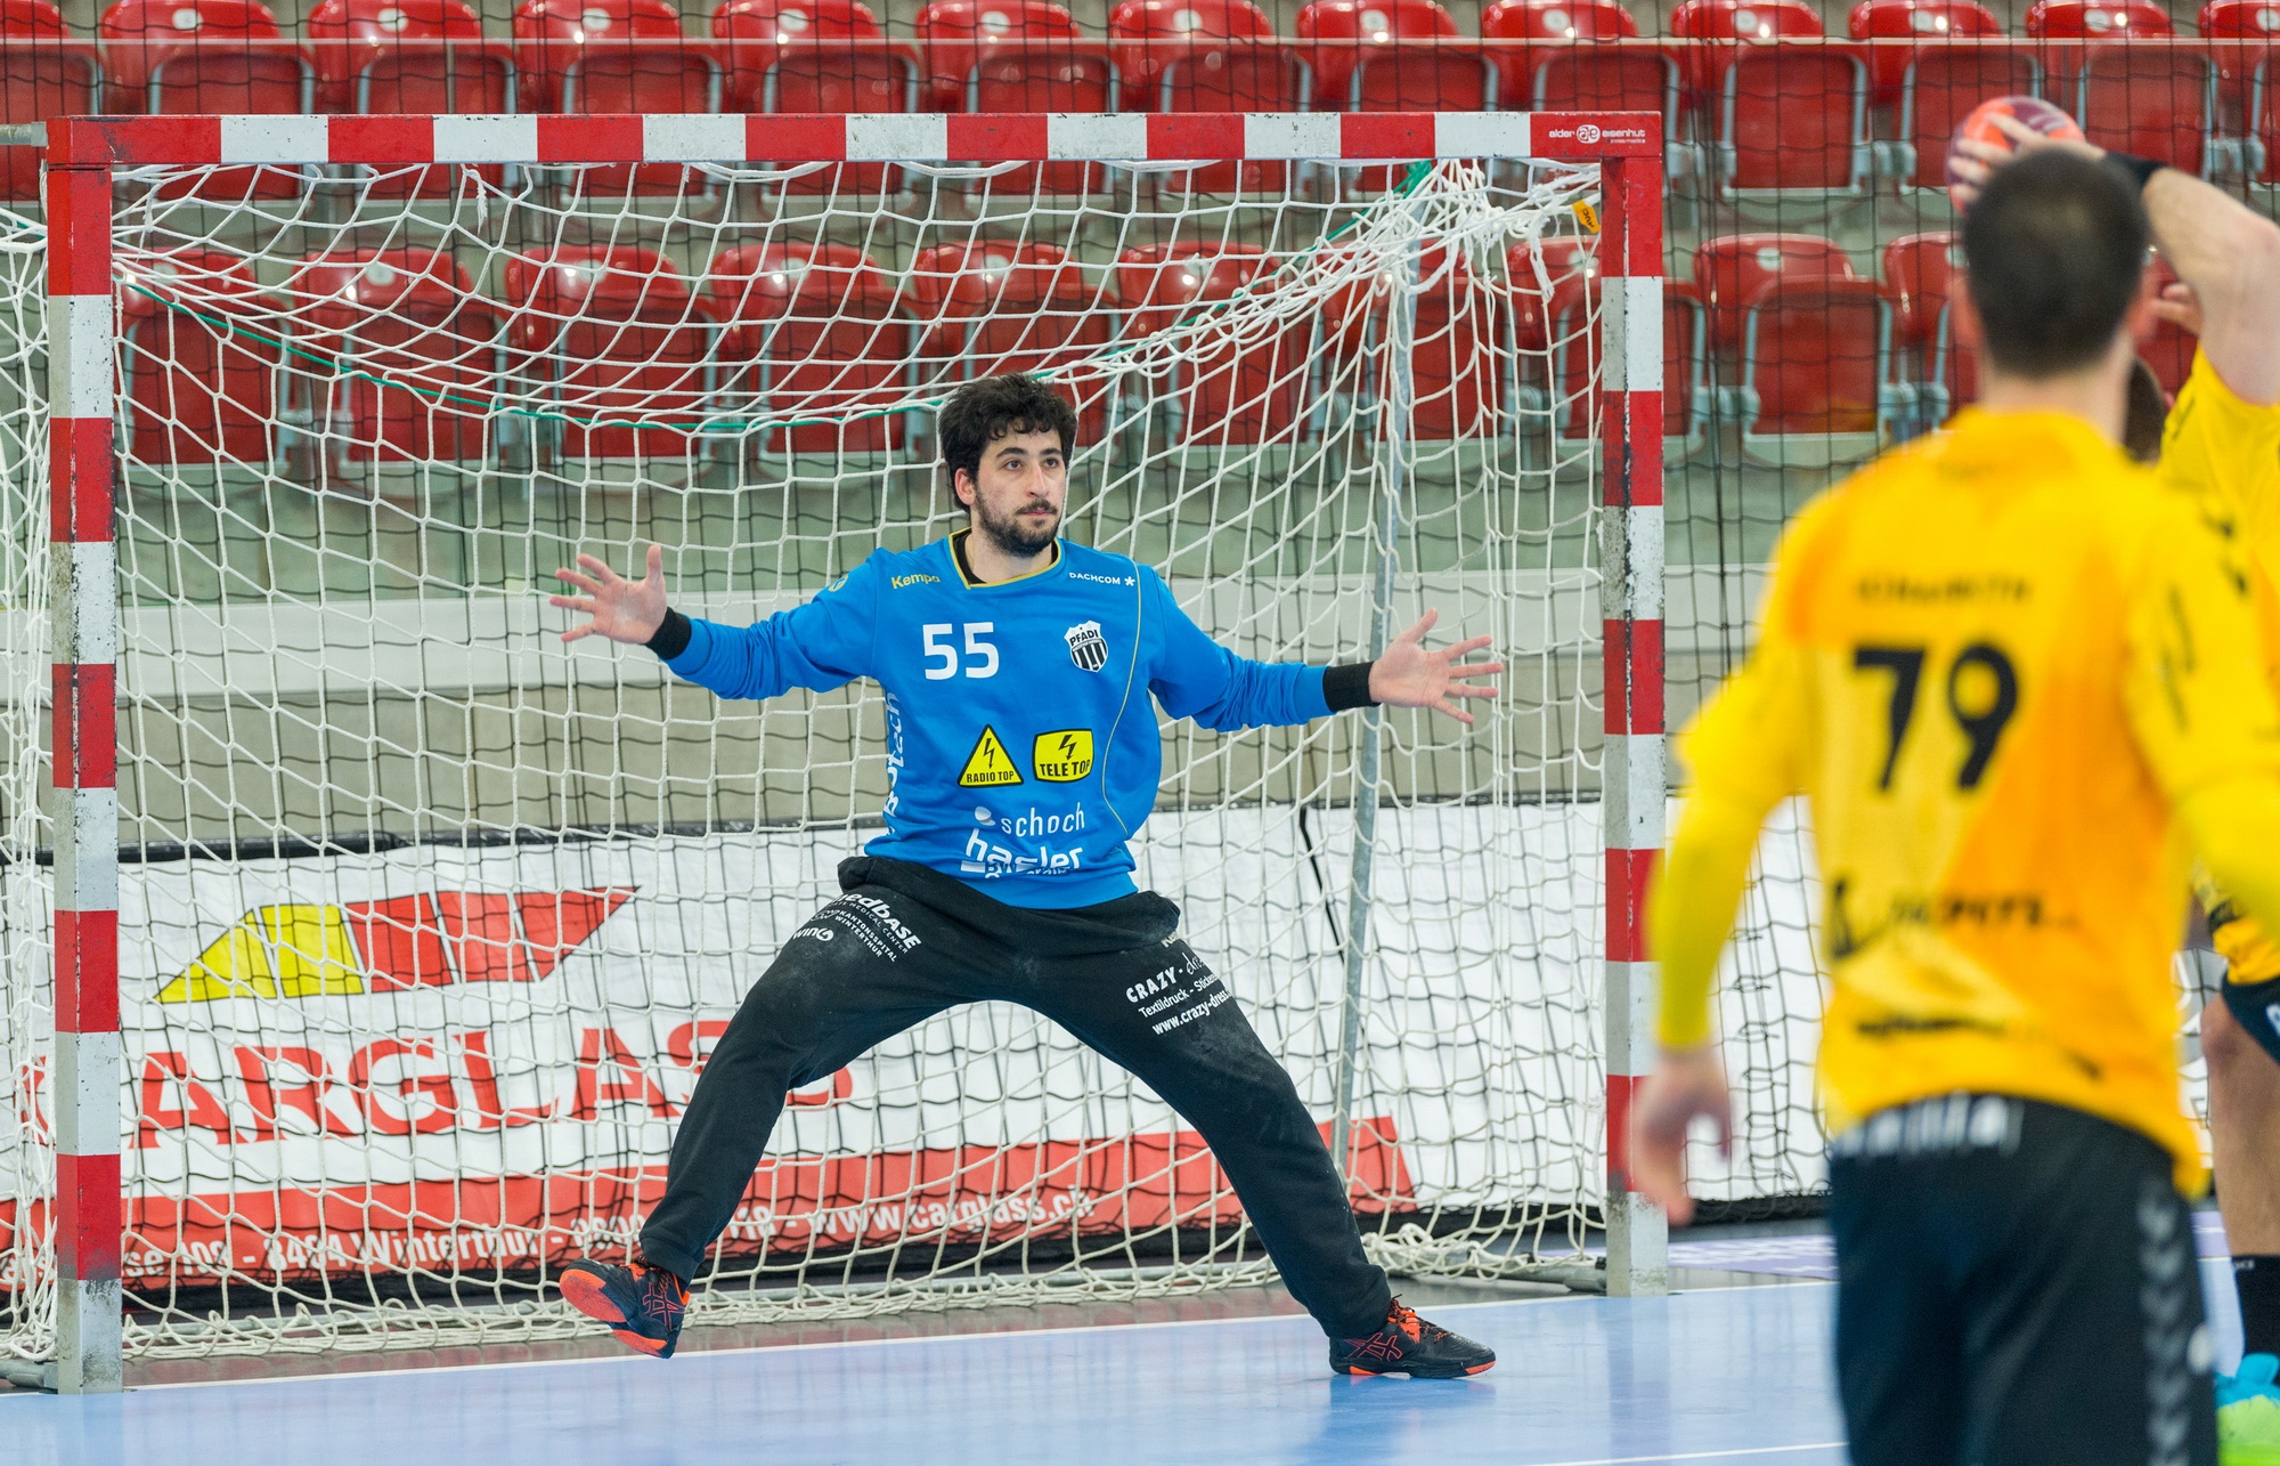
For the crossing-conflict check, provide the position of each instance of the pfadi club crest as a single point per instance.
(1087, 647)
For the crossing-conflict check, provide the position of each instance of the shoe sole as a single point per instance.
(586, 1293)
(1466, 1372)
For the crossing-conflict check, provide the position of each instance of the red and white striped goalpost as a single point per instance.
(82, 154)
(1632, 784)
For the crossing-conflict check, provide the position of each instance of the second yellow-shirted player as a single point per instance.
(2219, 446)
(2019, 684)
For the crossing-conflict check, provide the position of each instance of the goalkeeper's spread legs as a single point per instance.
(905, 943)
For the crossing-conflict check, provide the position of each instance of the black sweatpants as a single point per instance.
(905, 942)
(2016, 1284)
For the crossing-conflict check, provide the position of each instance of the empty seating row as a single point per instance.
(1801, 114)
(616, 354)
(628, 357)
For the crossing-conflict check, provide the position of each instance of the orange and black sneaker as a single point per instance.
(642, 1305)
(1409, 1345)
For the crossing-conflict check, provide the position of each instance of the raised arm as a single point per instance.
(2226, 255)
(2229, 260)
(822, 644)
(1195, 677)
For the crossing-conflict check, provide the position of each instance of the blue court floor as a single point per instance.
(1725, 1375)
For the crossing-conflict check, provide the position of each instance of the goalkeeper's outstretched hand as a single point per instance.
(623, 610)
(1408, 676)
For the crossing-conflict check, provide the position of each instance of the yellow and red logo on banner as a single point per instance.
(305, 951)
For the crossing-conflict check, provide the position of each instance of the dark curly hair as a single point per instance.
(980, 413)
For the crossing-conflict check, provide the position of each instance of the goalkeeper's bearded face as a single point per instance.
(1017, 495)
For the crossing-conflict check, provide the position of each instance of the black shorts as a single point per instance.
(2257, 1007)
(2016, 1283)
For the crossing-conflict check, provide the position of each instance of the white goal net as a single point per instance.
(428, 921)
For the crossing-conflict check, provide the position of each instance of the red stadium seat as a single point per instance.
(1927, 22)
(1392, 56)
(2153, 101)
(1730, 270)
(817, 56)
(1559, 324)
(1456, 388)
(2077, 20)
(385, 56)
(1940, 86)
(172, 57)
(1207, 56)
(618, 332)
(32, 20)
(612, 56)
(408, 56)
(1744, 20)
(1557, 20)
(1579, 413)
(1386, 56)
(196, 391)
(1816, 372)
(1203, 56)
(1919, 279)
(1017, 56)
(397, 315)
(992, 308)
(1793, 117)
(584, 56)
(2240, 20)
(1009, 49)
(1783, 117)
(1921, 20)
(812, 56)
(202, 56)
(1236, 395)
(2242, 33)
(1734, 22)
(814, 331)
(43, 74)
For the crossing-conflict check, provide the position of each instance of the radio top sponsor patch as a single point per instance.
(989, 766)
(1063, 757)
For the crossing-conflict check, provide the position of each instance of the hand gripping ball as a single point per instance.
(2044, 117)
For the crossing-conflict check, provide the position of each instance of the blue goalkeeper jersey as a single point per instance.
(1022, 749)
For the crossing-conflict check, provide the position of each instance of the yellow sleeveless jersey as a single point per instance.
(1993, 661)
(2228, 450)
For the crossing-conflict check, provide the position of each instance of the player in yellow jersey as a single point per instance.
(2222, 442)
(2020, 686)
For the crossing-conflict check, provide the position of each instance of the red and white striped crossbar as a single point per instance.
(855, 138)
(1631, 603)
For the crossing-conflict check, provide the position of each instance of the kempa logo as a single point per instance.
(306, 951)
(899, 581)
(1087, 647)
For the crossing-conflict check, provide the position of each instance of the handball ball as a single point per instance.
(2044, 117)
